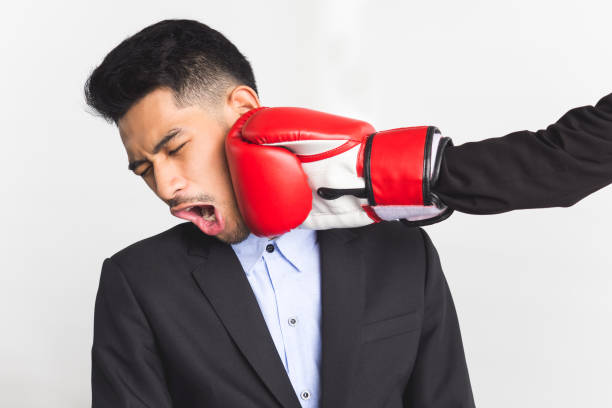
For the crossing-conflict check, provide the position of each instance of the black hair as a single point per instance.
(195, 61)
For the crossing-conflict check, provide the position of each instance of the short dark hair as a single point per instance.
(197, 62)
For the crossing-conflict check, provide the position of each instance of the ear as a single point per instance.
(241, 99)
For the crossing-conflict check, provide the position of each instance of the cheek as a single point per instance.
(208, 164)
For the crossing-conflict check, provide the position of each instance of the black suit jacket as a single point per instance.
(177, 325)
(553, 167)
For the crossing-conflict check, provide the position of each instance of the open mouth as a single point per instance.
(206, 217)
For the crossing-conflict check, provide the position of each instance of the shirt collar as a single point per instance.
(294, 245)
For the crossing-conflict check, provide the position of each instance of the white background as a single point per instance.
(532, 287)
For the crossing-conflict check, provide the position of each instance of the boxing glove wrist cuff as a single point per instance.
(400, 166)
(437, 157)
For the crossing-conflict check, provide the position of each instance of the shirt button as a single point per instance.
(305, 394)
(270, 248)
(292, 321)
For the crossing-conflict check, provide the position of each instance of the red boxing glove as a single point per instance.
(300, 168)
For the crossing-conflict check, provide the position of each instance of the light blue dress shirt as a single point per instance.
(284, 273)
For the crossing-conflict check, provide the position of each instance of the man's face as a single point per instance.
(191, 168)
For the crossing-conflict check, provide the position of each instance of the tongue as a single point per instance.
(206, 226)
(210, 227)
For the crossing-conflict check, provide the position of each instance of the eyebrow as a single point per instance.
(134, 164)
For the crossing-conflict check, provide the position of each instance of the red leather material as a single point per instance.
(270, 185)
(359, 165)
(277, 190)
(330, 153)
(396, 166)
(288, 124)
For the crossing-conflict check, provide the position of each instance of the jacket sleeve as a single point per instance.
(553, 167)
(126, 369)
(440, 376)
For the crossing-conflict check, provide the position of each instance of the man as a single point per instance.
(209, 314)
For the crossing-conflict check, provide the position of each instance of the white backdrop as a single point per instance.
(532, 287)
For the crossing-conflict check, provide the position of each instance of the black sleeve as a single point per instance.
(553, 167)
(126, 369)
(440, 376)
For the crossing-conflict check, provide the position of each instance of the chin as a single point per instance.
(234, 235)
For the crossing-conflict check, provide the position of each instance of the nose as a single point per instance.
(168, 180)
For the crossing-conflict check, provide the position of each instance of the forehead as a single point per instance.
(149, 117)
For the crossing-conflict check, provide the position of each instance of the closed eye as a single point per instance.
(144, 172)
(177, 149)
(171, 153)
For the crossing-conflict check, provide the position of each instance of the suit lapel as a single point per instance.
(225, 285)
(342, 301)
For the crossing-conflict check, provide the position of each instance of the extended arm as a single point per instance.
(553, 167)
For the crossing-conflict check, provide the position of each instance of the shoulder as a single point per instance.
(395, 235)
(167, 249)
(162, 240)
(396, 251)
(396, 259)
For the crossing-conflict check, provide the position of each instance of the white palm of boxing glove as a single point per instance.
(339, 172)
